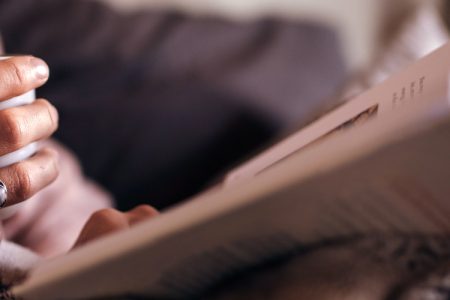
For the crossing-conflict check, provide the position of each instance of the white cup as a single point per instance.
(18, 155)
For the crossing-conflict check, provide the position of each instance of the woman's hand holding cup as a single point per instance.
(22, 125)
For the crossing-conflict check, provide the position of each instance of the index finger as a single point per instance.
(141, 213)
(21, 74)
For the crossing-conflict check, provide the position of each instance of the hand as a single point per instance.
(22, 125)
(50, 222)
(106, 221)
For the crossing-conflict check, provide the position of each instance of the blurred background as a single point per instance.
(324, 51)
(188, 89)
(360, 24)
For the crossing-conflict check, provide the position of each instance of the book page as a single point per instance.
(385, 176)
(424, 80)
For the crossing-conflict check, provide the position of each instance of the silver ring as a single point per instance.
(3, 194)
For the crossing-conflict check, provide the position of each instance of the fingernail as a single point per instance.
(54, 114)
(40, 69)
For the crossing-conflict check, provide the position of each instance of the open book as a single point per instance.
(379, 163)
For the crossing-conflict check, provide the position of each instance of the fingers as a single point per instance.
(140, 213)
(109, 220)
(27, 177)
(25, 124)
(21, 74)
(101, 223)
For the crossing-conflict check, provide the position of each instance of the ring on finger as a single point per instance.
(3, 194)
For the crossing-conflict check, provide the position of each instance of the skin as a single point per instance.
(108, 220)
(20, 126)
(52, 219)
